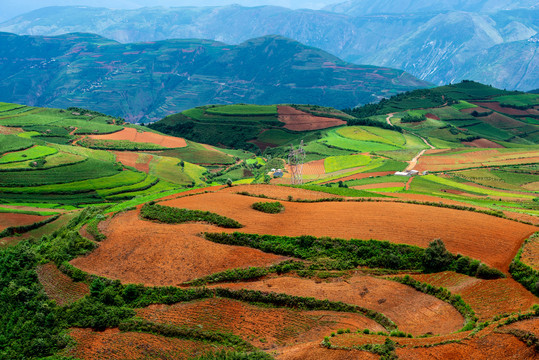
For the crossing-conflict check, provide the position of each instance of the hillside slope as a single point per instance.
(147, 81)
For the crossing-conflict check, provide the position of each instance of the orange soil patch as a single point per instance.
(530, 253)
(59, 287)
(533, 186)
(487, 298)
(432, 116)
(531, 325)
(301, 121)
(83, 231)
(483, 143)
(133, 159)
(493, 240)
(13, 219)
(361, 176)
(266, 328)
(313, 351)
(491, 347)
(116, 345)
(501, 121)
(6, 130)
(133, 135)
(497, 107)
(139, 251)
(314, 168)
(492, 157)
(378, 186)
(413, 312)
(279, 192)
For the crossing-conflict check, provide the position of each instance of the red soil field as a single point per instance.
(361, 176)
(139, 251)
(314, 168)
(313, 351)
(483, 143)
(13, 219)
(297, 120)
(490, 347)
(132, 159)
(413, 312)
(497, 107)
(487, 298)
(432, 116)
(133, 135)
(112, 344)
(6, 130)
(449, 161)
(501, 121)
(531, 325)
(493, 240)
(279, 192)
(266, 328)
(533, 186)
(59, 287)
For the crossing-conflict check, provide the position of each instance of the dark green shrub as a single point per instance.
(268, 207)
(172, 215)
(436, 257)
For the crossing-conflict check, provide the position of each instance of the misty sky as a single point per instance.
(11, 8)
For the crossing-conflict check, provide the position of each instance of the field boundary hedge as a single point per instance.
(171, 215)
(524, 273)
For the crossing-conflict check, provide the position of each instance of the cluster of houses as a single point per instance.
(410, 173)
(277, 173)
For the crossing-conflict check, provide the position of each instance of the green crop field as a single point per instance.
(147, 182)
(336, 163)
(120, 145)
(13, 143)
(169, 169)
(461, 105)
(500, 179)
(89, 169)
(243, 109)
(374, 134)
(450, 113)
(278, 137)
(28, 154)
(520, 100)
(197, 154)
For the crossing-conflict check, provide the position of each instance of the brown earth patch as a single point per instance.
(530, 253)
(297, 120)
(483, 143)
(493, 240)
(115, 345)
(487, 298)
(139, 251)
(432, 116)
(413, 312)
(279, 192)
(14, 219)
(350, 340)
(497, 107)
(314, 168)
(361, 176)
(313, 351)
(60, 287)
(531, 325)
(501, 121)
(6, 130)
(266, 328)
(133, 135)
(83, 231)
(133, 159)
(533, 186)
(491, 347)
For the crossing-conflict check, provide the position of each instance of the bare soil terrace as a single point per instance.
(298, 120)
(134, 135)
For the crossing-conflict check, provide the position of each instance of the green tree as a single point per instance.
(436, 257)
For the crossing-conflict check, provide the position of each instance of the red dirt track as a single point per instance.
(413, 312)
(298, 120)
(133, 135)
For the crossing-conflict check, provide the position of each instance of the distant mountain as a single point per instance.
(432, 42)
(367, 7)
(147, 81)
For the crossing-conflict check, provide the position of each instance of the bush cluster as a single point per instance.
(172, 215)
(268, 207)
(523, 273)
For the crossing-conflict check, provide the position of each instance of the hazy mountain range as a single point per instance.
(435, 41)
(147, 81)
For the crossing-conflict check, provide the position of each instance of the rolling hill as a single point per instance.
(146, 81)
(432, 41)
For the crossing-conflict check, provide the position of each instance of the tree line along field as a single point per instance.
(347, 266)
